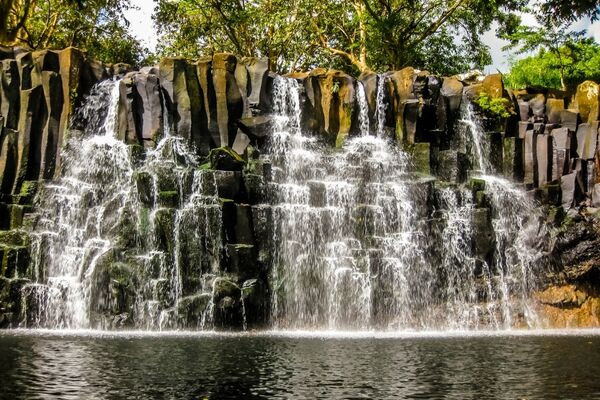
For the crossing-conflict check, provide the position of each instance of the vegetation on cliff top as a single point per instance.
(98, 26)
(444, 37)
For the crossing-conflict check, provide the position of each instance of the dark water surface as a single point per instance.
(101, 365)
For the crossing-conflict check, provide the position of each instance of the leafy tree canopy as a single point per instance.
(439, 35)
(564, 56)
(560, 68)
(99, 26)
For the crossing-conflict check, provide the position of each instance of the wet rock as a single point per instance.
(255, 296)
(255, 188)
(165, 229)
(242, 261)
(229, 184)
(237, 222)
(421, 156)
(227, 304)
(452, 166)
(168, 199)
(191, 310)
(257, 128)
(225, 159)
(483, 238)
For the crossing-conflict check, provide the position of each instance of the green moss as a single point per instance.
(481, 199)
(477, 184)
(168, 198)
(144, 220)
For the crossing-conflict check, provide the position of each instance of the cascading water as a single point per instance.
(120, 234)
(363, 109)
(381, 105)
(357, 248)
(352, 234)
(78, 213)
(128, 239)
(516, 224)
(474, 132)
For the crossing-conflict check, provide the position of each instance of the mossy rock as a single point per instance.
(190, 309)
(225, 159)
(137, 153)
(15, 237)
(145, 187)
(420, 156)
(477, 184)
(481, 199)
(168, 199)
(223, 287)
(27, 192)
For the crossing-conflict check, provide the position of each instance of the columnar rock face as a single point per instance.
(221, 106)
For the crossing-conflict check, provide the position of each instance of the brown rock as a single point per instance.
(586, 101)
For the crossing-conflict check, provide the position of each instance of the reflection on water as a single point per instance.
(280, 366)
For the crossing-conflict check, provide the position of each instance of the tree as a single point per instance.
(99, 26)
(560, 48)
(564, 68)
(570, 10)
(362, 35)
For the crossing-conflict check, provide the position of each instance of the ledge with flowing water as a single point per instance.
(210, 194)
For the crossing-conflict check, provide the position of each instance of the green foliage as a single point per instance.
(98, 26)
(361, 35)
(564, 67)
(494, 107)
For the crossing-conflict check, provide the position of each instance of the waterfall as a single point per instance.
(516, 224)
(381, 105)
(119, 233)
(363, 109)
(357, 247)
(79, 212)
(350, 233)
(133, 238)
(473, 130)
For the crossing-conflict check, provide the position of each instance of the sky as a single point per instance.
(140, 18)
